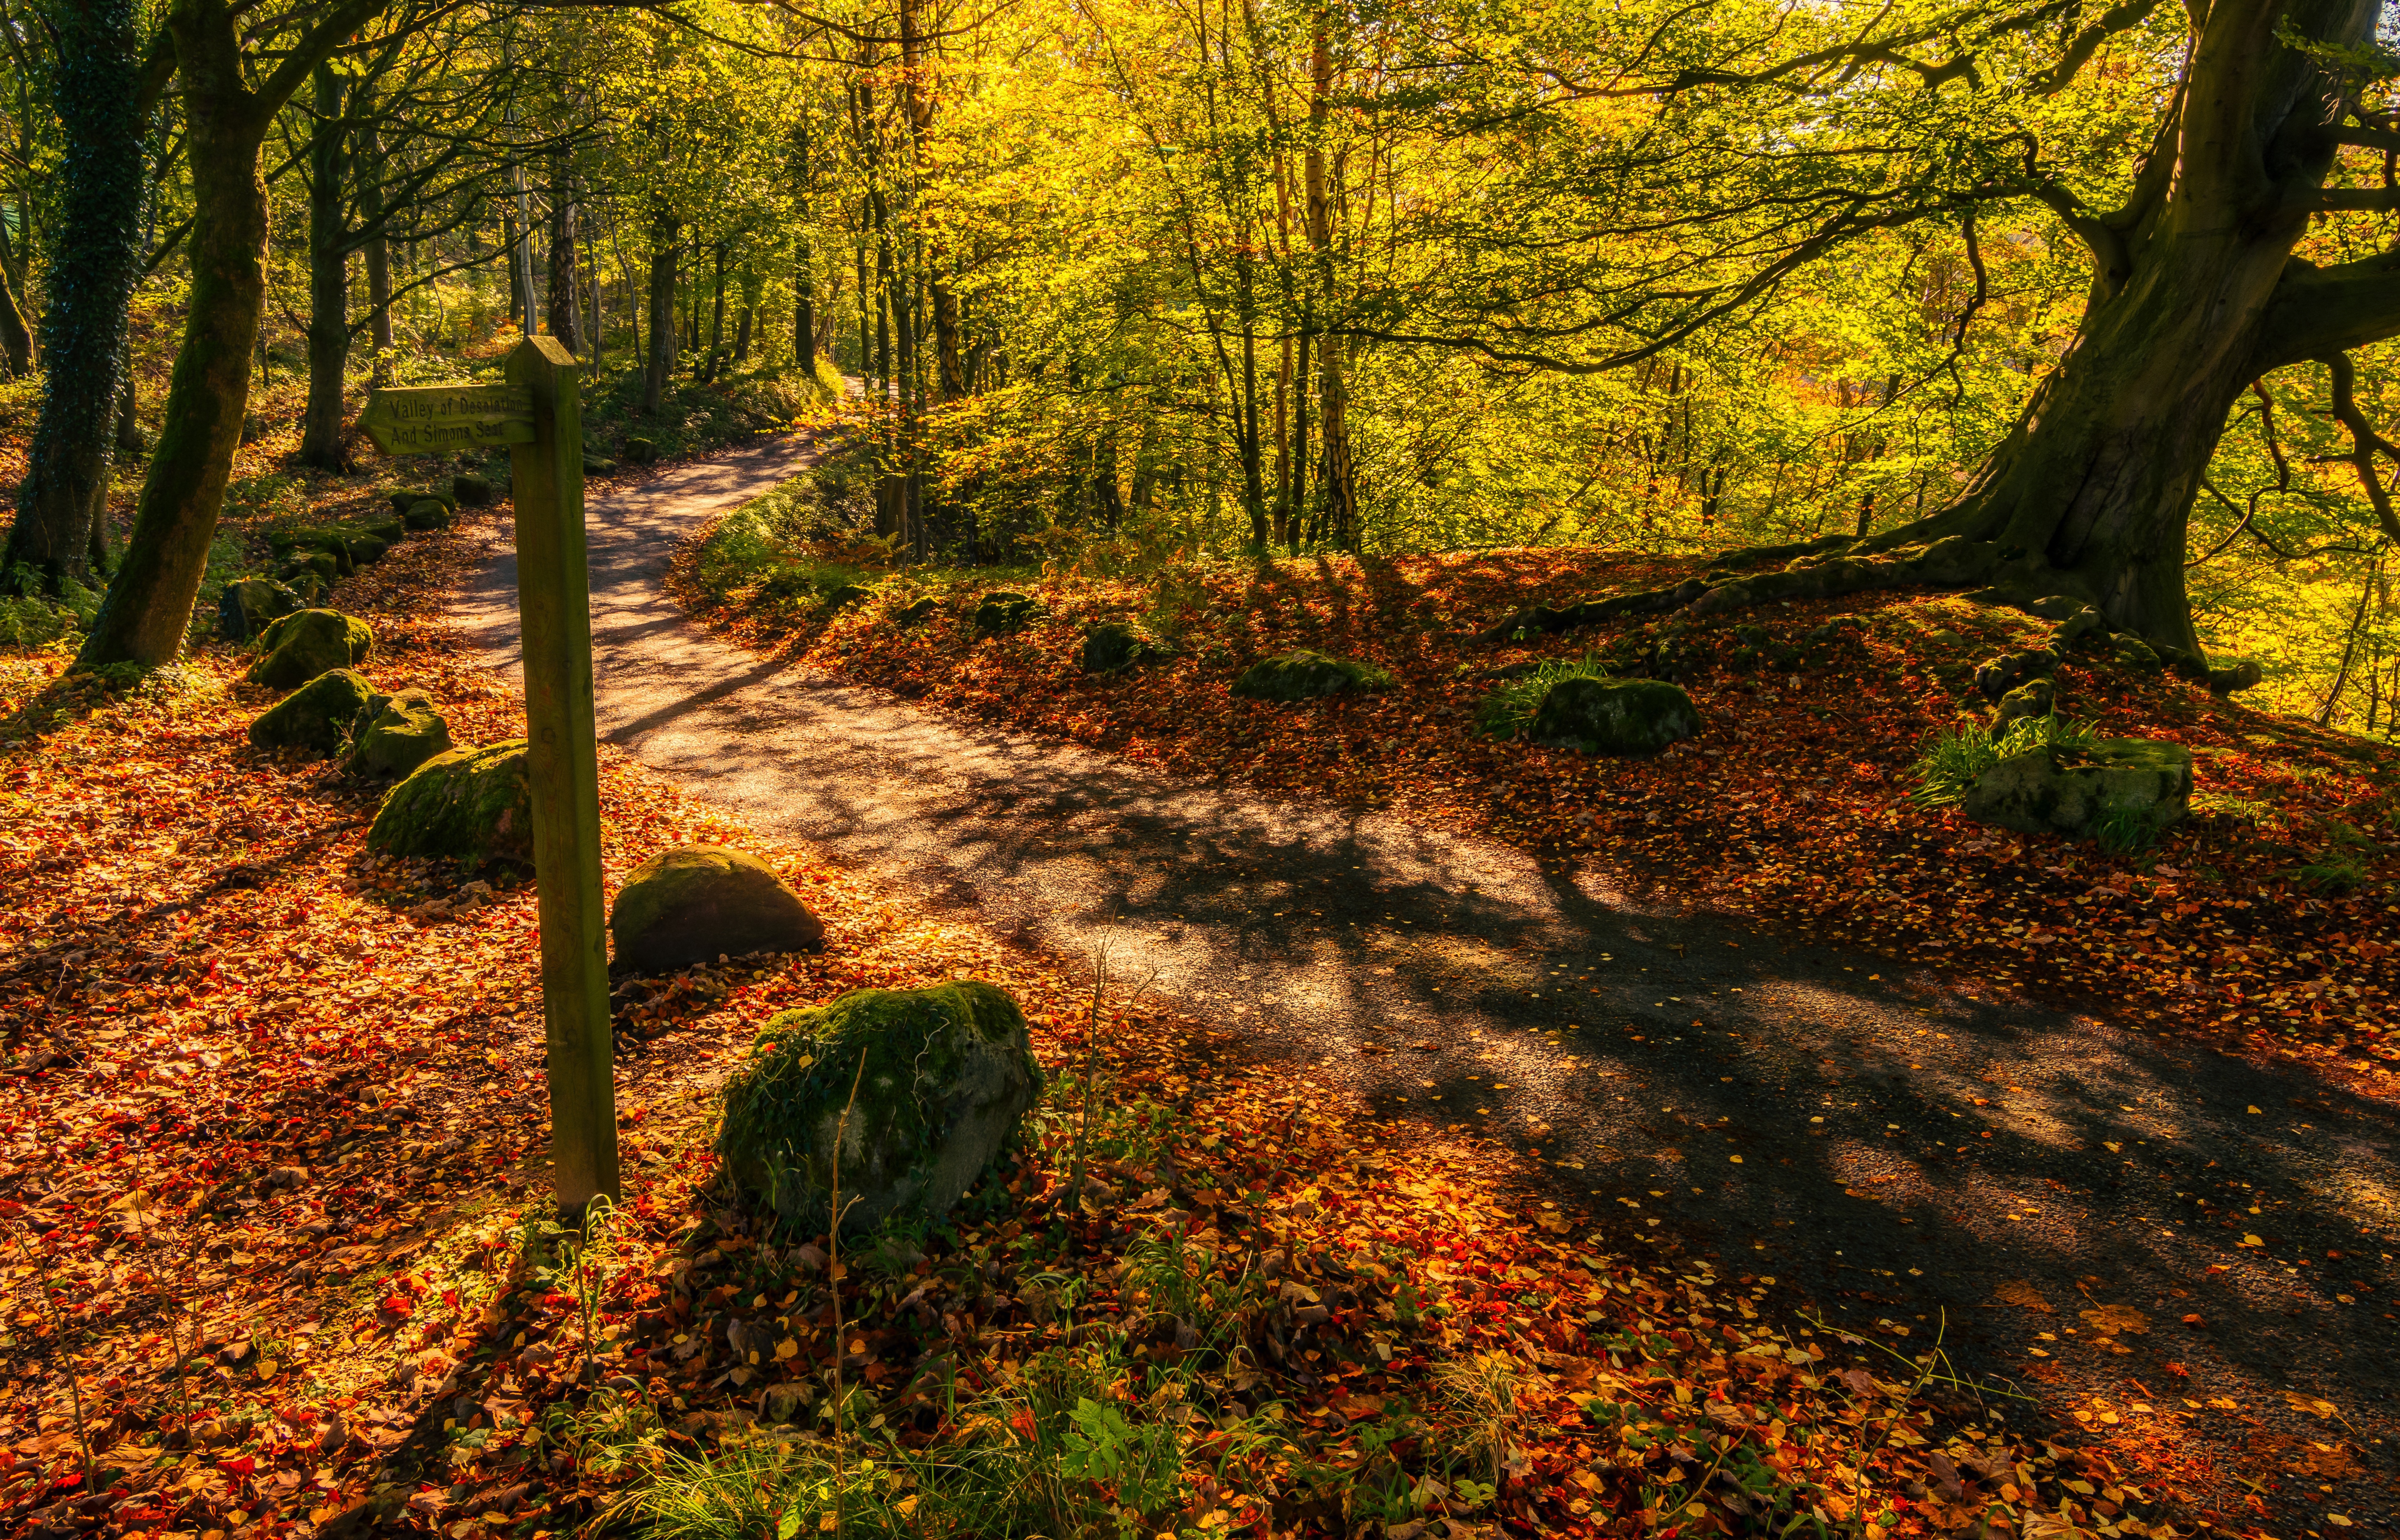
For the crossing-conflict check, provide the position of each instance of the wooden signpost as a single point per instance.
(536, 415)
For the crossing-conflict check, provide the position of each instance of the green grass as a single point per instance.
(1507, 711)
(1951, 761)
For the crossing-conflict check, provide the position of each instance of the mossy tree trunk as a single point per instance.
(148, 605)
(101, 95)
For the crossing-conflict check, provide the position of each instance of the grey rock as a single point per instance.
(695, 902)
(2048, 791)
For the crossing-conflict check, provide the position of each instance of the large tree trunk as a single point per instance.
(93, 268)
(2196, 294)
(149, 604)
(329, 277)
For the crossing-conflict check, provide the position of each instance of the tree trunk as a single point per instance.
(94, 266)
(149, 604)
(566, 296)
(329, 279)
(804, 312)
(664, 230)
(2195, 295)
(1336, 512)
(378, 251)
(16, 341)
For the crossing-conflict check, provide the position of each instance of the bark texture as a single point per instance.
(59, 530)
(328, 276)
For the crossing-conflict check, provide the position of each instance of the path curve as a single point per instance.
(1885, 1148)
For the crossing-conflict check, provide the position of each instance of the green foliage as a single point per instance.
(780, 553)
(1507, 711)
(1949, 762)
(2340, 864)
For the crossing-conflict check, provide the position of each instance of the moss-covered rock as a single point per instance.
(299, 543)
(396, 733)
(1306, 675)
(314, 566)
(301, 645)
(248, 605)
(428, 513)
(1002, 612)
(366, 550)
(1613, 716)
(388, 530)
(2133, 653)
(695, 902)
(916, 613)
(2238, 674)
(471, 490)
(640, 451)
(2034, 697)
(2058, 791)
(1113, 646)
(473, 804)
(949, 1074)
(1995, 677)
(318, 717)
(843, 595)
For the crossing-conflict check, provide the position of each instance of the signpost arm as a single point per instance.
(553, 595)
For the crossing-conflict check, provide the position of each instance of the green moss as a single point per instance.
(943, 1074)
(1306, 675)
(300, 646)
(397, 733)
(1002, 612)
(473, 804)
(1113, 646)
(317, 716)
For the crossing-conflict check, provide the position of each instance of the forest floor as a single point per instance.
(272, 1162)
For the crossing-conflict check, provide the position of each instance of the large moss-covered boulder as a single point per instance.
(301, 645)
(948, 1075)
(1002, 612)
(428, 513)
(318, 717)
(473, 804)
(471, 490)
(2117, 782)
(368, 549)
(695, 902)
(1113, 646)
(1306, 675)
(1614, 715)
(247, 606)
(396, 733)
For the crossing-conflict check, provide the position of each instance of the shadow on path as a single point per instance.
(1890, 1148)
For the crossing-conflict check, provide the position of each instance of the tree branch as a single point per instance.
(2317, 311)
(2365, 442)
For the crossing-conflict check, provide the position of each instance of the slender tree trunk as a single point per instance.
(1336, 512)
(804, 311)
(16, 341)
(717, 320)
(60, 529)
(665, 229)
(378, 249)
(149, 604)
(566, 297)
(329, 277)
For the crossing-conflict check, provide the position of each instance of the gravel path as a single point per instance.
(1888, 1147)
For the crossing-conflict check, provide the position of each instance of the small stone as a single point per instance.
(472, 804)
(945, 1076)
(396, 733)
(248, 604)
(301, 645)
(1306, 675)
(317, 716)
(695, 902)
(1113, 646)
(1614, 715)
(2034, 697)
(1002, 612)
(472, 490)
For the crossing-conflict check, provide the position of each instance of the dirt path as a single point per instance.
(1888, 1151)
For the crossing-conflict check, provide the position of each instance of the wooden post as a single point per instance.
(554, 607)
(536, 415)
